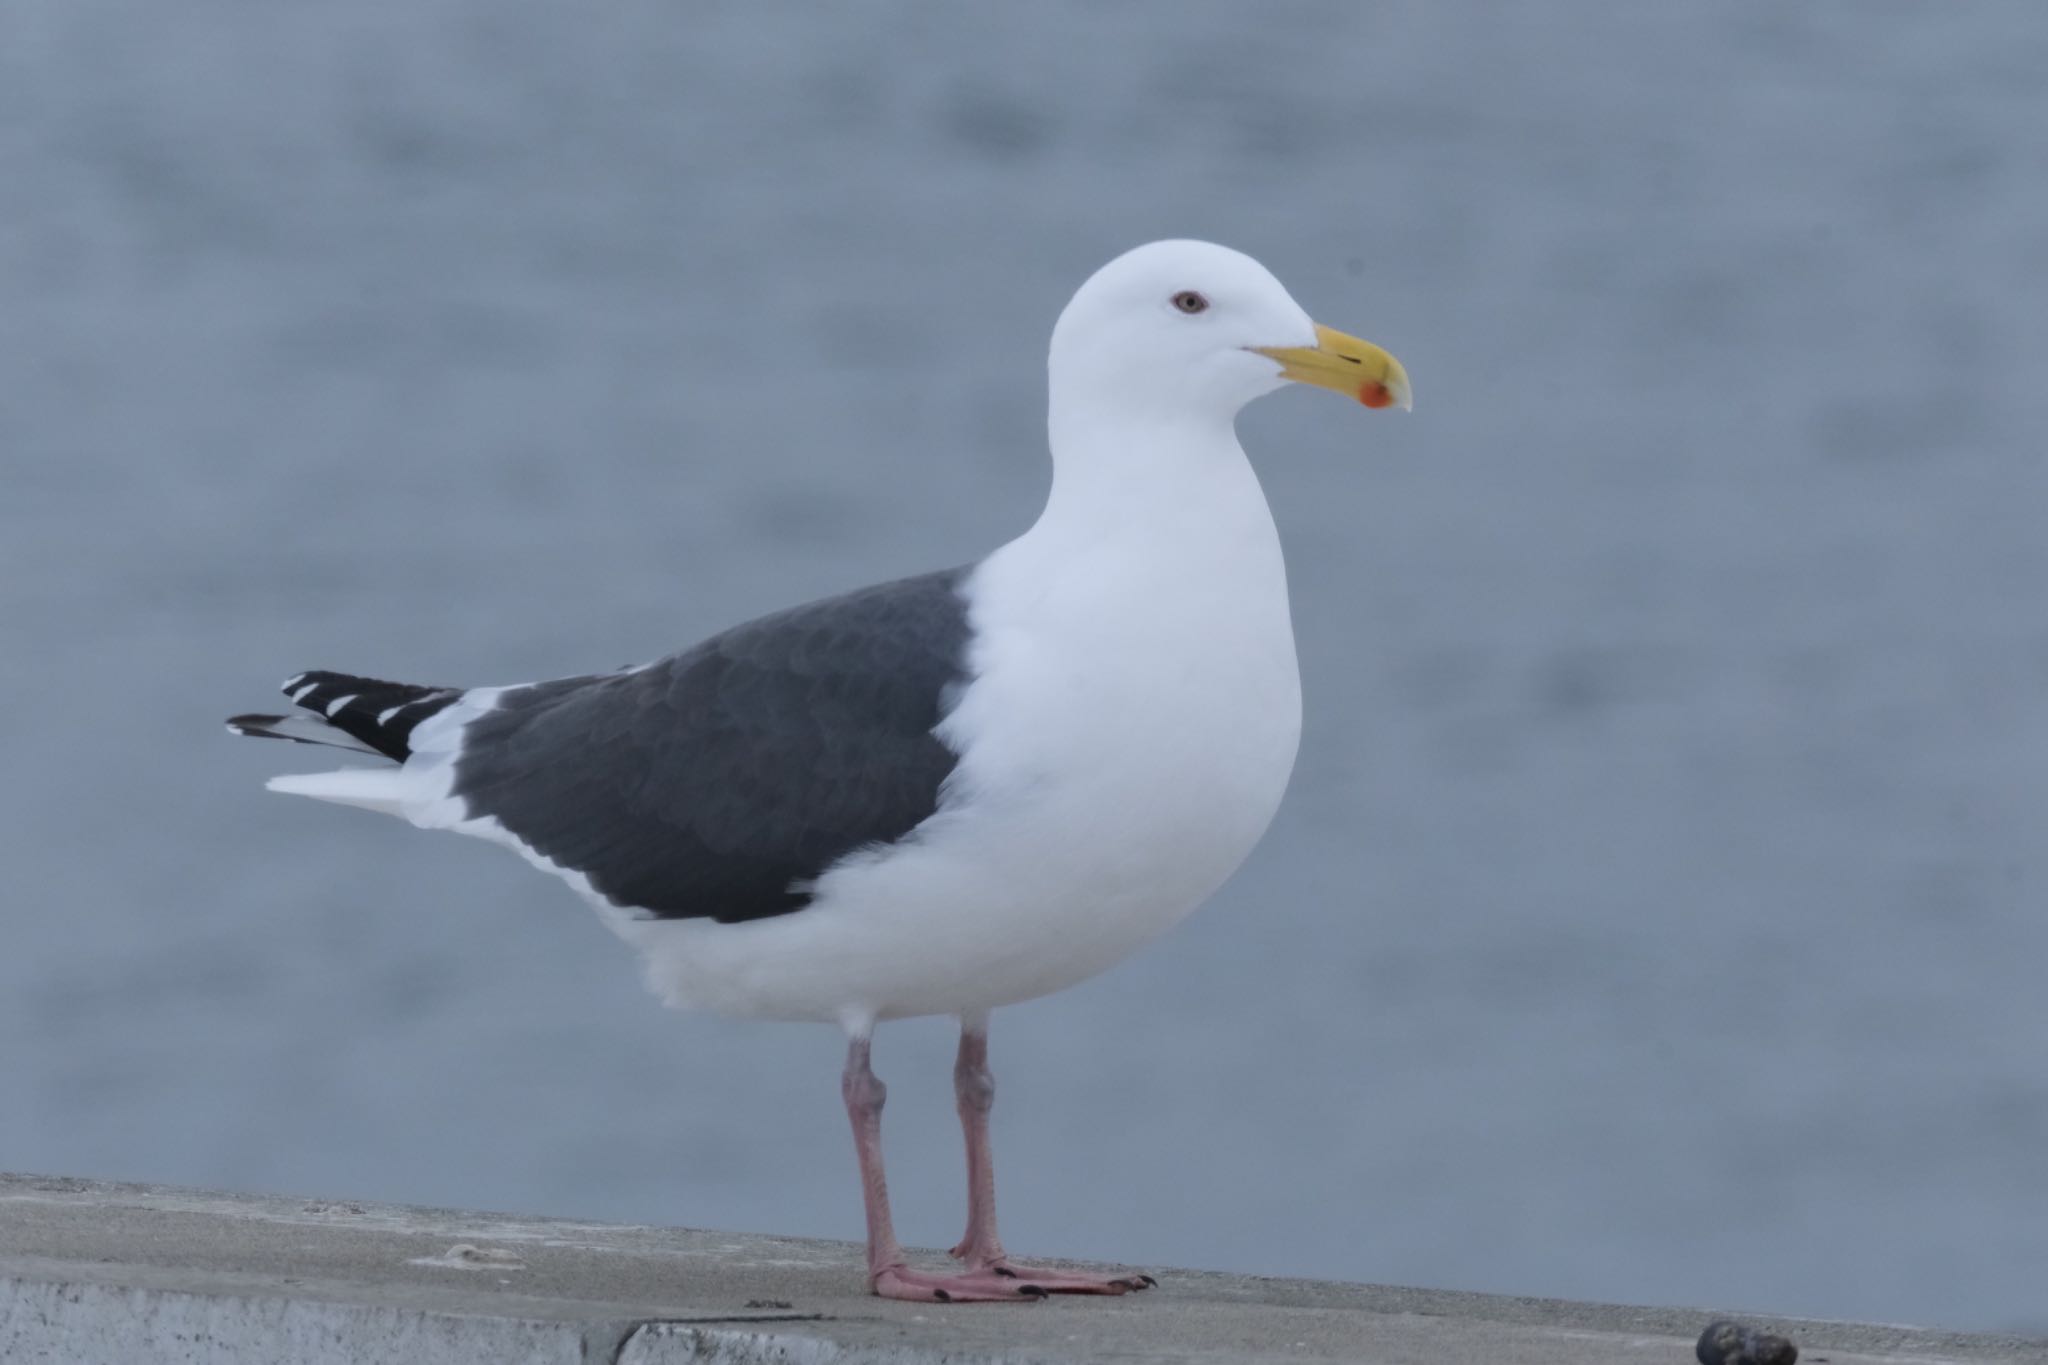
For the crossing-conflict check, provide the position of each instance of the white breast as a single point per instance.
(1125, 739)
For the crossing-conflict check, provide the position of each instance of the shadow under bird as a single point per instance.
(947, 793)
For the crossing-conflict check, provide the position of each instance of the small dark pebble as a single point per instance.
(769, 1303)
(1732, 1343)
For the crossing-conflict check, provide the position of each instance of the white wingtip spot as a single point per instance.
(384, 716)
(339, 702)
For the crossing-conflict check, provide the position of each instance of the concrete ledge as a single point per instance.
(93, 1272)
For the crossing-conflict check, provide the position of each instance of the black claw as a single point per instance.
(942, 1296)
(1032, 1291)
(1003, 1271)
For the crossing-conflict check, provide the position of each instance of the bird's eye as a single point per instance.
(1188, 301)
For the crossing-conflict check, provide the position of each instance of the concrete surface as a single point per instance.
(1662, 877)
(91, 1272)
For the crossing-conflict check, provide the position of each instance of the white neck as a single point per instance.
(1153, 479)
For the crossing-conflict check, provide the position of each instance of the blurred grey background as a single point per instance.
(1657, 913)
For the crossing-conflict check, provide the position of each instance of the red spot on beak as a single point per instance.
(1376, 395)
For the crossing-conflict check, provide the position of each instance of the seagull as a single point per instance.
(944, 794)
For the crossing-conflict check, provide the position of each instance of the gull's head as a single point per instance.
(1191, 327)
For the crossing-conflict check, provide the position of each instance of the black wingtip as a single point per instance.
(377, 714)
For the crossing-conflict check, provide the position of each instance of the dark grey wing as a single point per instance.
(717, 782)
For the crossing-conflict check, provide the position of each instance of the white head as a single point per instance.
(1180, 328)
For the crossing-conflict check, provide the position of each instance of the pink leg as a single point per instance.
(974, 1089)
(888, 1275)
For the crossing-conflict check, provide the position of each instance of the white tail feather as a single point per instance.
(379, 789)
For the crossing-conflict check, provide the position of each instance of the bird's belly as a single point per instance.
(1088, 815)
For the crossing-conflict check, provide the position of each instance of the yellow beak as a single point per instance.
(1348, 365)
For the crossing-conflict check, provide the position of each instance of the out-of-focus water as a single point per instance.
(1658, 910)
